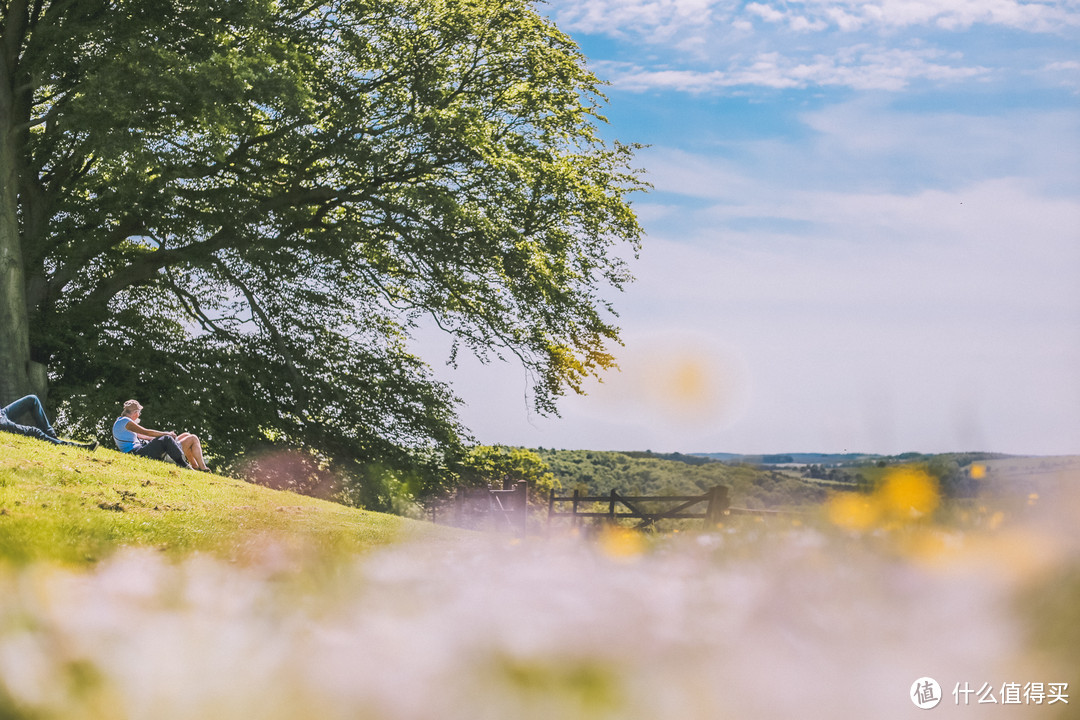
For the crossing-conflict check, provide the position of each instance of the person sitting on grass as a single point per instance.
(30, 406)
(131, 437)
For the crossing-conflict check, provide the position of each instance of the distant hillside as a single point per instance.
(841, 458)
(637, 473)
(678, 457)
(793, 479)
(791, 458)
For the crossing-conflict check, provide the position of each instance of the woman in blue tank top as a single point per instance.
(131, 437)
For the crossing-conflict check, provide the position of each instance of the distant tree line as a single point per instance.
(632, 473)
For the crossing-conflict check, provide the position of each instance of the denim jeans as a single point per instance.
(161, 446)
(31, 407)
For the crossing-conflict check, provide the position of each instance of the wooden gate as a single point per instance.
(710, 507)
(503, 510)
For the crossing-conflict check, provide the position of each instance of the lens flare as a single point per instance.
(676, 381)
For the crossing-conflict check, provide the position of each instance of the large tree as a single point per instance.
(237, 211)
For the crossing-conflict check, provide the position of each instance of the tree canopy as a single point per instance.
(238, 210)
(497, 465)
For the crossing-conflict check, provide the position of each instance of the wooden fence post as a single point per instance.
(718, 505)
(551, 507)
(521, 496)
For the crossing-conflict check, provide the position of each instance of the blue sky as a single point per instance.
(864, 233)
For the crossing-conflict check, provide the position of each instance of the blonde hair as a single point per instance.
(131, 406)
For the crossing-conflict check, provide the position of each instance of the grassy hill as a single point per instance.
(76, 507)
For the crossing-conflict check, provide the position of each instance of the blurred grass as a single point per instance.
(74, 507)
(596, 622)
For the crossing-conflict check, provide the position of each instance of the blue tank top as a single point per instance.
(125, 439)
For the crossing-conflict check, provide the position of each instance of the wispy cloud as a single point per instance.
(645, 17)
(869, 145)
(854, 15)
(1066, 73)
(705, 45)
(860, 67)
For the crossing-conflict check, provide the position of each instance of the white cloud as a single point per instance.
(853, 15)
(946, 148)
(994, 245)
(706, 45)
(868, 146)
(664, 17)
(858, 67)
(659, 19)
(950, 14)
(1066, 72)
(765, 12)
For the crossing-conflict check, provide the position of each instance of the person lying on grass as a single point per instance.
(131, 437)
(30, 407)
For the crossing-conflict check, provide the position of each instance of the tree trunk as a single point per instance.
(14, 327)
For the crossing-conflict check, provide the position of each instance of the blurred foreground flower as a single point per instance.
(621, 542)
(906, 494)
(754, 621)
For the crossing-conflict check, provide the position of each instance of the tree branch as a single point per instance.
(194, 310)
(299, 384)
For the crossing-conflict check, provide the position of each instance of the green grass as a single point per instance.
(73, 507)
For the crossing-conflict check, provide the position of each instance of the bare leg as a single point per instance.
(192, 448)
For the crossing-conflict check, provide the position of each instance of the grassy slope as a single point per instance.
(71, 506)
